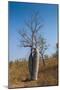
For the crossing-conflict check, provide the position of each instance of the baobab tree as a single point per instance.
(30, 37)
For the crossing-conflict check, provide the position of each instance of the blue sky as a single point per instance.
(18, 13)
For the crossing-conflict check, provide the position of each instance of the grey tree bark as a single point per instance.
(34, 64)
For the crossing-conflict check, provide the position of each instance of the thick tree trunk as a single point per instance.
(34, 65)
(30, 63)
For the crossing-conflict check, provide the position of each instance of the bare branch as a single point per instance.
(39, 27)
(34, 25)
(25, 37)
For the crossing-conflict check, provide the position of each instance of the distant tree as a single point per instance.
(46, 57)
(10, 63)
(42, 48)
(56, 51)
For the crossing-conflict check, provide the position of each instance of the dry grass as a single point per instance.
(18, 73)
